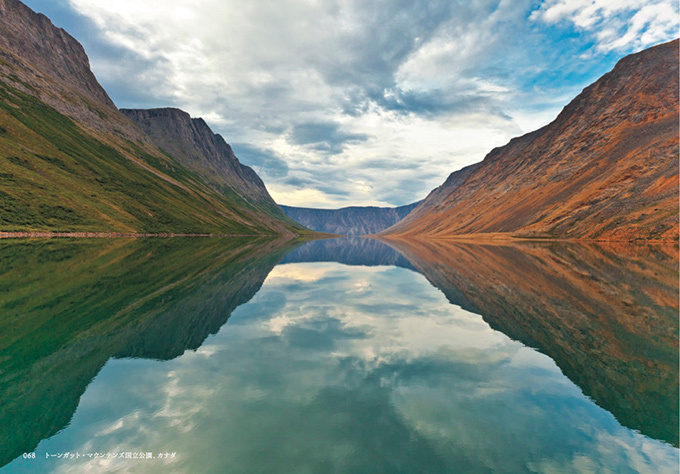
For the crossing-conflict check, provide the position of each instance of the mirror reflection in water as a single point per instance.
(345, 355)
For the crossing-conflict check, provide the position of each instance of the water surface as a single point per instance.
(341, 356)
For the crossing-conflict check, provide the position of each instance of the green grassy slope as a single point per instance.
(55, 176)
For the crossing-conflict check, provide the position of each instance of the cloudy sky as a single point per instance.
(356, 102)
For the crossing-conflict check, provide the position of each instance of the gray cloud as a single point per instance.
(324, 136)
(266, 161)
(312, 91)
(389, 164)
(418, 186)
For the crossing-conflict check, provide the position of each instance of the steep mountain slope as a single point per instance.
(605, 169)
(46, 62)
(349, 220)
(191, 142)
(70, 161)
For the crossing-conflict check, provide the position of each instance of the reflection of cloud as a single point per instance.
(327, 379)
(637, 454)
(305, 274)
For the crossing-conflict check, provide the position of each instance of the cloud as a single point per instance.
(308, 91)
(324, 136)
(311, 92)
(263, 160)
(620, 25)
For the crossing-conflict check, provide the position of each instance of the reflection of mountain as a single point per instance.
(350, 251)
(607, 316)
(68, 306)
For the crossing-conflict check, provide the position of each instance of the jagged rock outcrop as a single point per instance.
(605, 169)
(349, 220)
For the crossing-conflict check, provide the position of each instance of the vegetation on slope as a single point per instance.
(605, 169)
(57, 177)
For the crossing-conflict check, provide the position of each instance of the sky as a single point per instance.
(353, 102)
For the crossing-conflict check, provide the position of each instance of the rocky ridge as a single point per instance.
(191, 142)
(71, 162)
(605, 169)
(40, 59)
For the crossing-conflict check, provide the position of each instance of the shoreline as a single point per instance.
(117, 235)
(502, 238)
(113, 235)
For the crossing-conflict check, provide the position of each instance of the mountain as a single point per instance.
(71, 162)
(191, 142)
(606, 314)
(349, 220)
(605, 169)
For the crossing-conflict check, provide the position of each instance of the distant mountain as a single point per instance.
(349, 220)
(70, 161)
(605, 169)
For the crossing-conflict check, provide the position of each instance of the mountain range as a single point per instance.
(605, 169)
(72, 162)
(352, 221)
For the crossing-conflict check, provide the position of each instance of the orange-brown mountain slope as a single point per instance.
(605, 169)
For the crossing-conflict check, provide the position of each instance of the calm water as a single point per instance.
(337, 356)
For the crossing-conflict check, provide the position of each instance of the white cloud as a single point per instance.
(616, 24)
(406, 92)
(256, 71)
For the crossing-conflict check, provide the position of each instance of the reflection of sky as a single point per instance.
(337, 368)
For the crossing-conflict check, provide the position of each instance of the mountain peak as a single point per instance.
(193, 143)
(31, 40)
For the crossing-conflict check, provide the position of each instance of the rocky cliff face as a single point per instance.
(32, 39)
(191, 142)
(71, 162)
(42, 60)
(605, 169)
(349, 220)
